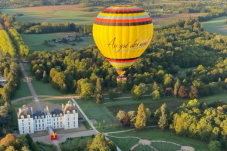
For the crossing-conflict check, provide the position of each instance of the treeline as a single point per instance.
(6, 45)
(21, 143)
(18, 42)
(203, 121)
(212, 15)
(10, 70)
(6, 21)
(44, 27)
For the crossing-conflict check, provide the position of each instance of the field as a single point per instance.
(156, 134)
(35, 41)
(23, 90)
(76, 14)
(54, 14)
(216, 25)
(75, 142)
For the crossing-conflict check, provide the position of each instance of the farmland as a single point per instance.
(35, 41)
(54, 14)
(216, 25)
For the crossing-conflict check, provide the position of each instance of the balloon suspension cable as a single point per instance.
(121, 77)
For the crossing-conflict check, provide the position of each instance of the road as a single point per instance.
(31, 88)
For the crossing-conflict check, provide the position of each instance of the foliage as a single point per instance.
(18, 42)
(100, 143)
(214, 146)
(141, 117)
(6, 44)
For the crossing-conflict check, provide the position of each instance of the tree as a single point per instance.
(98, 86)
(155, 95)
(148, 113)
(86, 90)
(25, 148)
(193, 92)
(9, 138)
(163, 122)
(101, 144)
(3, 114)
(214, 146)
(111, 94)
(120, 115)
(176, 87)
(10, 148)
(125, 121)
(45, 77)
(181, 92)
(132, 116)
(99, 98)
(141, 117)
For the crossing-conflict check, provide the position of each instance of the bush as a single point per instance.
(73, 44)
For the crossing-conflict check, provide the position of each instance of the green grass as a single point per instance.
(79, 17)
(23, 91)
(143, 148)
(45, 88)
(215, 25)
(156, 134)
(35, 41)
(124, 144)
(76, 140)
(88, 127)
(165, 146)
(44, 147)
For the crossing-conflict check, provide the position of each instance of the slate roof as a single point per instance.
(38, 114)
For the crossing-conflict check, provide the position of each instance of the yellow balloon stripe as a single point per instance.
(122, 37)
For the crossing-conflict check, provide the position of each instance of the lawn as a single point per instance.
(156, 134)
(45, 147)
(35, 41)
(165, 146)
(216, 25)
(124, 144)
(23, 91)
(75, 142)
(42, 14)
(143, 148)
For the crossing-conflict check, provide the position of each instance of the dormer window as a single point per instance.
(53, 115)
(68, 112)
(60, 114)
(35, 117)
(42, 116)
(28, 116)
(22, 116)
(74, 111)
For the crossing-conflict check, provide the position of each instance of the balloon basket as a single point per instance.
(121, 78)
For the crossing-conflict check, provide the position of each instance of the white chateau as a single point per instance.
(29, 122)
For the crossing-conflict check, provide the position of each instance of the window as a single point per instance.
(23, 131)
(68, 123)
(22, 121)
(35, 121)
(28, 123)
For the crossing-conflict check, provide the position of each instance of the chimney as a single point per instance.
(62, 106)
(31, 111)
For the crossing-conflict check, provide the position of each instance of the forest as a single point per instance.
(183, 44)
(201, 121)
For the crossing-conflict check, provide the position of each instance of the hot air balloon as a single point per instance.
(122, 33)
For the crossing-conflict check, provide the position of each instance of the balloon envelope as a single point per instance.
(122, 34)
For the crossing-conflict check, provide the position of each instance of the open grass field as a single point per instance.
(143, 148)
(165, 146)
(216, 25)
(35, 41)
(54, 14)
(124, 144)
(22, 91)
(75, 142)
(156, 134)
